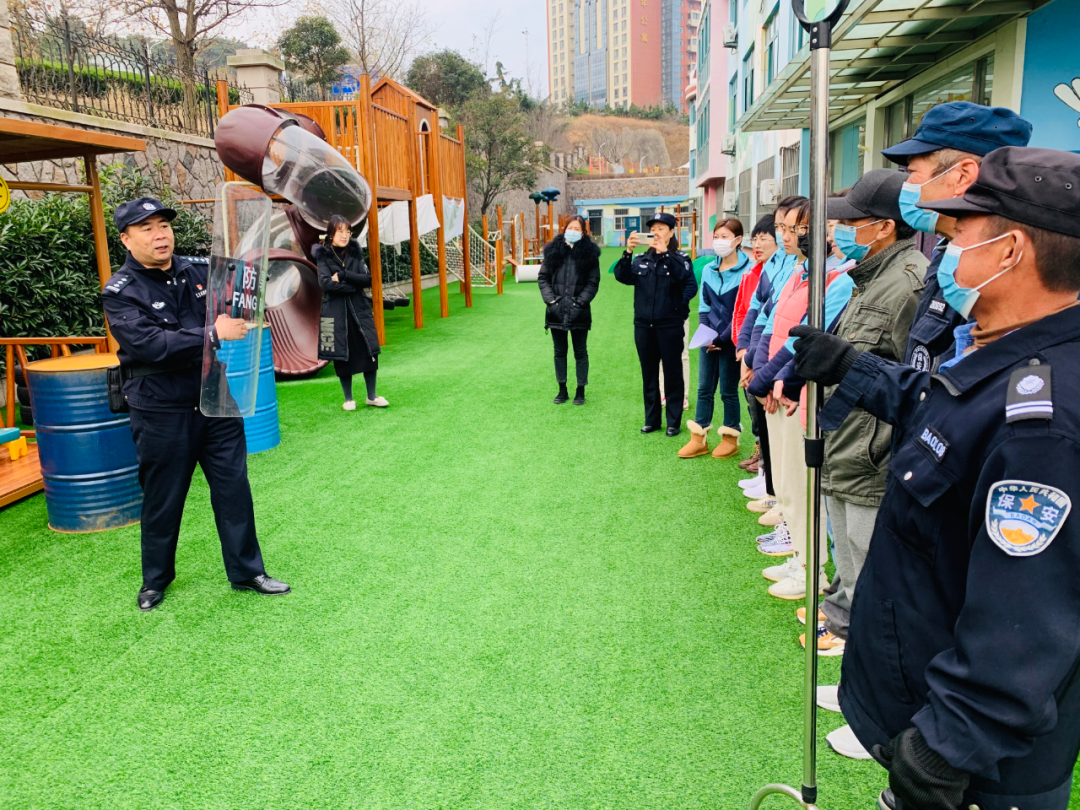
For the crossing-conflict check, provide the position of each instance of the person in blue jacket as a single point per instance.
(962, 668)
(943, 161)
(717, 364)
(156, 308)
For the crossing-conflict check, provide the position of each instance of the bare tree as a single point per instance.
(189, 24)
(480, 51)
(613, 146)
(383, 35)
(545, 123)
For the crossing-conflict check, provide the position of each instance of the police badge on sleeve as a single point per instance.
(1023, 518)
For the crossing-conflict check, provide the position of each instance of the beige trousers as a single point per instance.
(790, 480)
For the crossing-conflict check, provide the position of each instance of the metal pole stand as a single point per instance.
(820, 30)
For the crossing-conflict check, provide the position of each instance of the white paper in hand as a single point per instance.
(702, 337)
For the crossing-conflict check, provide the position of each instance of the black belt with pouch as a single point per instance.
(116, 376)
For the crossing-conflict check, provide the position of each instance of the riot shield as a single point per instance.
(235, 293)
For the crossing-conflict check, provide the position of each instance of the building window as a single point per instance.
(733, 102)
(798, 36)
(748, 80)
(973, 82)
(772, 47)
(620, 219)
(789, 171)
(746, 183)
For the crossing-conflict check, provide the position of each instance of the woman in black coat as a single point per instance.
(569, 278)
(347, 327)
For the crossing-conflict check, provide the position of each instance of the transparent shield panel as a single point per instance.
(236, 293)
(315, 177)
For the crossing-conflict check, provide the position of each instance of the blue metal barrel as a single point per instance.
(261, 428)
(88, 461)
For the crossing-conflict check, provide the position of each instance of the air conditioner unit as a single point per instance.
(731, 36)
(767, 192)
(727, 144)
(731, 202)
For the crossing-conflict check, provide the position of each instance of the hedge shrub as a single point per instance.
(49, 283)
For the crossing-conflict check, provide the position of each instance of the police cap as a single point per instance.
(964, 126)
(130, 213)
(664, 219)
(1037, 187)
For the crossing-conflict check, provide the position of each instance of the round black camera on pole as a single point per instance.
(818, 20)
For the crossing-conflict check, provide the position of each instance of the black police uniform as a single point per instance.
(159, 319)
(930, 341)
(664, 284)
(966, 622)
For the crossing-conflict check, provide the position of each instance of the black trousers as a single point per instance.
(656, 345)
(757, 415)
(580, 337)
(169, 445)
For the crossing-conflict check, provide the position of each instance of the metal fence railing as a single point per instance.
(62, 65)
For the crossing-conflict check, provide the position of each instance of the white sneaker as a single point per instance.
(790, 567)
(349, 406)
(378, 402)
(828, 698)
(756, 492)
(686, 404)
(794, 586)
(761, 505)
(746, 483)
(844, 742)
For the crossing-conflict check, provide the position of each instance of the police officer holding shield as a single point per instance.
(156, 307)
(943, 161)
(962, 668)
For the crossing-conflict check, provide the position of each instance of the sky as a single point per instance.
(462, 26)
(459, 25)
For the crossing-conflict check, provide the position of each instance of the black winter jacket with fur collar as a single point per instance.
(569, 279)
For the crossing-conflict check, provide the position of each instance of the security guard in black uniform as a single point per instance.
(962, 667)
(156, 307)
(664, 284)
(943, 161)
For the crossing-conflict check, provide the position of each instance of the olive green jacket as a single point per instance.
(877, 320)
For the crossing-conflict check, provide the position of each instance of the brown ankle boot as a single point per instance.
(729, 443)
(754, 457)
(699, 442)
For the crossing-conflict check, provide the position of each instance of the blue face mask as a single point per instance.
(919, 218)
(844, 237)
(572, 236)
(962, 299)
(780, 243)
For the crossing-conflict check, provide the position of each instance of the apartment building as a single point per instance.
(620, 52)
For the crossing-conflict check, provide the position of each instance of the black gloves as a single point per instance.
(919, 777)
(822, 357)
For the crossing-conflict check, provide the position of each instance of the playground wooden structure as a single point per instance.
(395, 140)
(23, 142)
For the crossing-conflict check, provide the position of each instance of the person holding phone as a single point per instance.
(664, 284)
(347, 327)
(569, 279)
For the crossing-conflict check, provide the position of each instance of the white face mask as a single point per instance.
(723, 247)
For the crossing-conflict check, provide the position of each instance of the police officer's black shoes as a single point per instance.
(150, 599)
(263, 584)
(672, 431)
(649, 429)
(886, 801)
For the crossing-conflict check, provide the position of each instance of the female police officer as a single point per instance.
(962, 668)
(156, 306)
(664, 284)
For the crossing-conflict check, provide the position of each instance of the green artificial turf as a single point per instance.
(498, 603)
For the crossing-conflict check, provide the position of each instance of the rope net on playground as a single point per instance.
(481, 257)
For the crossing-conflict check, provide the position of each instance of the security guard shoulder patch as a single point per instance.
(118, 282)
(1023, 518)
(1028, 396)
(937, 306)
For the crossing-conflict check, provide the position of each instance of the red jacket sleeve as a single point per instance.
(742, 300)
